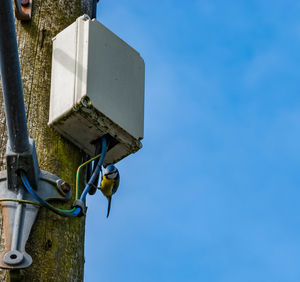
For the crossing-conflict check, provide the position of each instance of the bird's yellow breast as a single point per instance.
(106, 186)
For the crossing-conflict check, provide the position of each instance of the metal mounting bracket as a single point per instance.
(26, 161)
(18, 218)
(23, 9)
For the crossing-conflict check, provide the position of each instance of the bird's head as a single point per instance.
(111, 172)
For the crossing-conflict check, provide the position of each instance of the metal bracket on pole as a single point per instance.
(26, 161)
(18, 218)
(23, 9)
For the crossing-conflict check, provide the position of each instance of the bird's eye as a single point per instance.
(111, 175)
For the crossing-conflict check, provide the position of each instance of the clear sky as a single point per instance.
(214, 194)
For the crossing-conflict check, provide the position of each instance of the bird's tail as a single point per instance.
(108, 208)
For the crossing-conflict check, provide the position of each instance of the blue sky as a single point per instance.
(214, 193)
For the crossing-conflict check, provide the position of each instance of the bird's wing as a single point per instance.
(116, 185)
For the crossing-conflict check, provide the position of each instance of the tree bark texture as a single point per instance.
(56, 244)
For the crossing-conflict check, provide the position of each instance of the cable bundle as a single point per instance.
(79, 203)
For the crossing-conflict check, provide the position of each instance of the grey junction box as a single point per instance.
(97, 89)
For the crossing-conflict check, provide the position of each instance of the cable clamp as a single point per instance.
(81, 205)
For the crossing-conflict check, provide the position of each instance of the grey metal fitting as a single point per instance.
(26, 161)
(18, 218)
(81, 205)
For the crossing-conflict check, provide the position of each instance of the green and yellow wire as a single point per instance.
(77, 190)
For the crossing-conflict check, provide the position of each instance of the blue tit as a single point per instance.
(110, 183)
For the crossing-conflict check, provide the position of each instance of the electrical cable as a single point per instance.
(39, 199)
(21, 201)
(96, 171)
(78, 173)
(76, 210)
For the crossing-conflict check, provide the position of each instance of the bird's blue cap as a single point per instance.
(110, 168)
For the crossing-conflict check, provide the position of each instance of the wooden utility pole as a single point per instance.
(56, 244)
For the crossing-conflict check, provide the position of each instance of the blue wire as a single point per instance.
(84, 193)
(43, 202)
(96, 171)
